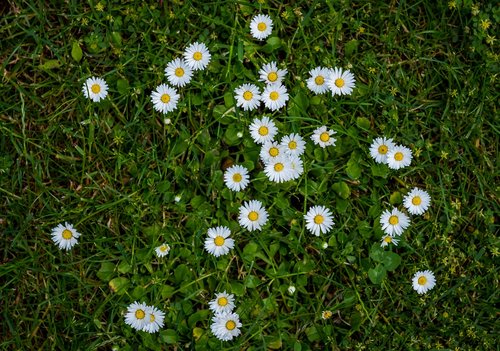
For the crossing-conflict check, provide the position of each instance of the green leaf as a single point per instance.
(106, 271)
(169, 336)
(50, 64)
(342, 189)
(380, 170)
(391, 261)
(353, 170)
(351, 47)
(124, 267)
(76, 51)
(363, 123)
(312, 334)
(122, 86)
(377, 274)
(167, 291)
(119, 285)
(377, 253)
(395, 198)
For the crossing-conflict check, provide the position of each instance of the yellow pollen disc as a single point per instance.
(247, 95)
(222, 301)
(262, 26)
(66, 234)
(197, 56)
(152, 318)
(179, 72)
(96, 88)
(140, 314)
(388, 239)
(230, 325)
(274, 151)
(253, 216)
(274, 95)
(263, 131)
(416, 200)
(272, 77)
(318, 219)
(422, 280)
(327, 314)
(382, 149)
(219, 240)
(292, 145)
(165, 98)
(163, 248)
(319, 80)
(398, 156)
(393, 220)
(237, 177)
(339, 82)
(324, 137)
(278, 167)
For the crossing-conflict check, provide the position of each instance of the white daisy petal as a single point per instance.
(236, 178)
(294, 144)
(296, 165)
(252, 215)
(136, 315)
(95, 89)
(261, 26)
(270, 74)
(271, 150)
(387, 239)
(399, 157)
(394, 222)
(223, 303)
(317, 80)
(274, 96)
(162, 250)
(319, 219)
(279, 169)
(197, 56)
(322, 136)
(340, 82)
(247, 97)
(65, 236)
(178, 72)
(154, 320)
(417, 201)
(164, 98)
(218, 242)
(379, 149)
(423, 281)
(263, 130)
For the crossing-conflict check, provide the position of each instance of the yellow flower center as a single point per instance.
(274, 151)
(272, 76)
(237, 177)
(398, 156)
(382, 149)
(422, 280)
(393, 220)
(274, 95)
(222, 301)
(263, 130)
(67, 234)
(197, 56)
(230, 325)
(163, 248)
(278, 167)
(247, 95)
(388, 239)
(324, 137)
(416, 200)
(151, 318)
(219, 240)
(326, 314)
(262, 26)
(96, 88)
(253, 216)
(140, 314)
(318, 219)
(319, 80)
(292, 145)
(179, 72)
(165, 98)
(339, 82)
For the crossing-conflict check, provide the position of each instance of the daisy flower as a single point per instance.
(379, 149)
(317, 82)
(95, 89)
(223, 303)
(423, 281)
(197, 56)
(178, 72)
(340, 82)
(274, 96)
(399, 157)
(247, 96)
(394, 222)
(261, 26)
(417, 201)
(270, 74)
(319, 219)
(236, 178)
(162, 250)
(164, 98)
(225, 326)
(279, 169)
(326, 314)
(322, 136)
(387, 239)
(218, 242)
(271, 150)
(136, 315)
(296, 166)
(263, 130)
(154, 319)
(293, 144)
(252, 215)
(65, 236)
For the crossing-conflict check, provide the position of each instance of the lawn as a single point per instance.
(130, 178)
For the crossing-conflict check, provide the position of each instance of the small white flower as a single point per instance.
(270, 74)
(387, 239)
(236, 178)
(136, 315)
(379, 149)
(417, 201)
(279, 169)
(178, 72)
(326, 314)
(167, 121)
(296, 165)
(324, 245)
(261, 26)
(95, 89)
(340, 83)
(164, 98)
(177, 198)
(162, 250)
(394, 222)
(399, 157)
(223, 303)
(197, 56)
(218, 242)
(317, 82)
(319, 219)
(263, 130)
(247, 97)
(294, 144)
(274, 96)
(423, 281)
(65, 236)
(252, 215)
(154, 319)
(322, 136)
(271, 150)
(291, 289)
(225, 326)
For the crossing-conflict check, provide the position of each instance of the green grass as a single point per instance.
(427, 75)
